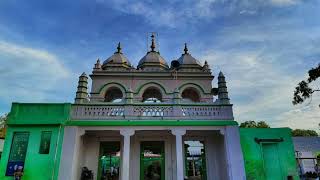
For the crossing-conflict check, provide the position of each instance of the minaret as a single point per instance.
(82, 89)
(222, 90)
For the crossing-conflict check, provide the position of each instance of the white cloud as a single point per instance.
(29, 74)
(263, 63)
(284, 2)
(175, 13)
(301, 117)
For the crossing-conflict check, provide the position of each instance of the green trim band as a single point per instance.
(151, 123)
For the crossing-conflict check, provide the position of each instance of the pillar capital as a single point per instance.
(127, 132)
(178, 132)
(222, 132)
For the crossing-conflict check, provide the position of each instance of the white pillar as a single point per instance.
(179, 152)
(70, 151)
(235, 163)
(125, 168)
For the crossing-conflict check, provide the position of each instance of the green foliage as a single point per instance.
(253, 124)
(3, 120)
(303, 91)
(304, 132)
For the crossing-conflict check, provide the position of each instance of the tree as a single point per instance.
(3, 120)
(253, 124)
(303, 91)
(304, 132)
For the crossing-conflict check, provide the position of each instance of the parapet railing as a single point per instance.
(151, 111)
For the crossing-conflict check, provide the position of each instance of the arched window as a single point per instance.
(152, 94)
(190, 95)
(113, 94)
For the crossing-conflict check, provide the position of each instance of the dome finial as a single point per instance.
(153, 45)
(119, 48)
(185, 48)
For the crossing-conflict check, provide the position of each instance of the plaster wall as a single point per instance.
(253, 152)
(203, 85)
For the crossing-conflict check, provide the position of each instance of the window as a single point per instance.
(152, 94)
(18, 152)
(113, 94)
(45, 142)
(190, 95)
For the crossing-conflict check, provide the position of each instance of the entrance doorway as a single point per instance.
(109, 161)
(195, 160)
(152, 160)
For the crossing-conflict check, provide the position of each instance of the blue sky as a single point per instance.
(264, 48)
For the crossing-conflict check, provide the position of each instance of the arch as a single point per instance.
(143, 87)
(191, 94)
(106, 86)
(152, 94)
(113, 94)
(113, 85)
(194, 85)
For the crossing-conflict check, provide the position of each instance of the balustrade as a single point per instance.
(149, 111)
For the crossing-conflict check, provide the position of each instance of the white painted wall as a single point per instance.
(235, 162)
(223, 152)
(69, 163)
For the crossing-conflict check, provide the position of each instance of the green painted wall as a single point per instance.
(39, 113)
(253, 156)
(37, 166)
(35, 118)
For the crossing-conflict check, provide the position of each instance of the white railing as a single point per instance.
(151, 111)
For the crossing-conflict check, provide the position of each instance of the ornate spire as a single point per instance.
(185, 48)
(82, 89)
(153, 45)
(205, 67)
(119, 48)
(97, 66)
(222, 90)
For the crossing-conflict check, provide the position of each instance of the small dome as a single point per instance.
(152, 58)
(117, 60)
(187, 59)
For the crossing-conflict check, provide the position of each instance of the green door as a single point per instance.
(152, 160)
(109, 161)
(272, 166)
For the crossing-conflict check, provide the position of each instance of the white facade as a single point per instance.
(165, 104)
(223, 152)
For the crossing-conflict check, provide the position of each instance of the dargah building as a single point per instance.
(153, 121)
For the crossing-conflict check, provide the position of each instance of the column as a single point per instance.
(235, 162)
(125, 165)
(70, 152)
(179, 152)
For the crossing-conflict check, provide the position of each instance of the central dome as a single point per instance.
(153, 60)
